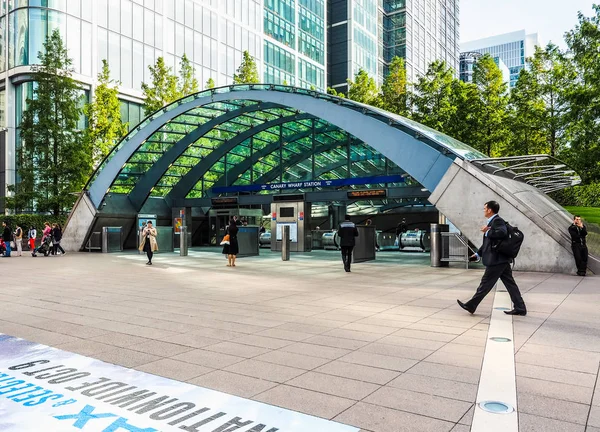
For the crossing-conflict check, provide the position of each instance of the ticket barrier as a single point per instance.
(317, 238)
(417, 239)
(366, 244)
(387, 241)
(248, 241)
(331, 240)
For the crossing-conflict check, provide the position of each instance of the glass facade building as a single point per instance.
(368, 34)
(467, 64)
(512, 48)
(286, 37)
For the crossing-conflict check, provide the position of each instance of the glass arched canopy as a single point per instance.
(258, 134)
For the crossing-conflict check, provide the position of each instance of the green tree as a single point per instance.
(432, 101)
(526, 116)
(188, 84)
(491, 135)
(394, 91)
(210, 84)
(163, 89)
(54, 160)
(105, 128)
(463, 122)
(247, 72)
(363, 89)
(583, 96)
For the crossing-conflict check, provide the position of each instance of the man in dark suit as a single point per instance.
(347, 233)
(578, 233)
(497, 266)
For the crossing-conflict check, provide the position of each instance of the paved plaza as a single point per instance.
(384, 348)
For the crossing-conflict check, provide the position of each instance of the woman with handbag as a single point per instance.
(149, 243)
(230, 243)
(19, 240)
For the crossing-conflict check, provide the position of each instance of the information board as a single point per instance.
(293, 231)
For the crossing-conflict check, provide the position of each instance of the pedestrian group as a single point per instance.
(12, 241)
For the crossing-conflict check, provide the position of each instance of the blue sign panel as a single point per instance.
(310, 184)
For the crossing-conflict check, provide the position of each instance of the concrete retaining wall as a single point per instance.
(79, 224)
(465, 188)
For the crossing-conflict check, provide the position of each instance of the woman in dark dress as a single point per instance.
(231, 249)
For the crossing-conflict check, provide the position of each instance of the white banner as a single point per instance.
(46, 389)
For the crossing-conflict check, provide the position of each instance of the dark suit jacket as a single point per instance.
(578, 234)
(347, 233)
(497, 232)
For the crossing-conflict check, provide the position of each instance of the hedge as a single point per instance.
(27, 220)
(579, 196)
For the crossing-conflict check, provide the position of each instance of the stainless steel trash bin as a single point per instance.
(437, 245)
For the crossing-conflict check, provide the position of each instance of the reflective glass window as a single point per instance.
(38, 29)
(73, 41)
(138, 22)
(114, 54)
(126, 62)
(86, 48)
(126, 18)
(148, 27)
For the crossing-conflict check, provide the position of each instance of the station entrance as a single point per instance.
(243, 149)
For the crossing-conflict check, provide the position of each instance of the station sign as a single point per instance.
(224, 200)
(310, 184)
(47, 389)
(368, 193)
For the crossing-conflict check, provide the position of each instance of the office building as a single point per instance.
(368, 34)
(467, 63)
(286, 37)
(512, 48)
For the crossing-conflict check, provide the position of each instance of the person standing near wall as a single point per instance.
(347, 233)
(578, 233)
(7, 237)
(19, 240)
(149, 243)
(32, 236)
(232, 249)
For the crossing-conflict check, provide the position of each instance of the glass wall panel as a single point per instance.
(19, 32)
(114, 55)
(148, 27)
(38, 29)
(126, 60)
(126, 18)
(2, 44)
(86, 48)
(73, 41)
(138, 64)
(138, 22)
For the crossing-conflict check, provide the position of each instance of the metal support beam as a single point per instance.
(187, 182)
(140, 192)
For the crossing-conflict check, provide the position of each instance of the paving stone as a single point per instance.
(279, 333)
(419, 334)
(334, 385)
(461, 428)
(209, 359)
(121, 340)
(381, 419)
(559, 358)
(232, 383)
(85, 347)
(594, 419)
(305, 401)
(240, 350)
(125, 357)
(420, 403)
(436, 386)
(467, 419)
(263, 342)
(396, 351)
(530, 423)
(359, 372)
(353, 334)
(379, 361)
(553, 408)
(266, 371)
(316, 350)
(192, 340)
(174, 369)
(556, 375)
(555, 390)
(336, 342)
(460, 360)
(291, 359)
(160, 348)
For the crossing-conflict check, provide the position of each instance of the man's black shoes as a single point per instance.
(465, 307)
(516, 312)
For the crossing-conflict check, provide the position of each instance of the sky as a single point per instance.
(549, 18)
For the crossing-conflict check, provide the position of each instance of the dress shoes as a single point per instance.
(465, 307)
(516, 312)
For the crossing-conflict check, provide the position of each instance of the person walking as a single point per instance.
(19, 240)
(31, 235)
(56, 238)
(149, 243)
(233, 248)
(347, 233)
(7, 237)
(497, 266)
(578, 233)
